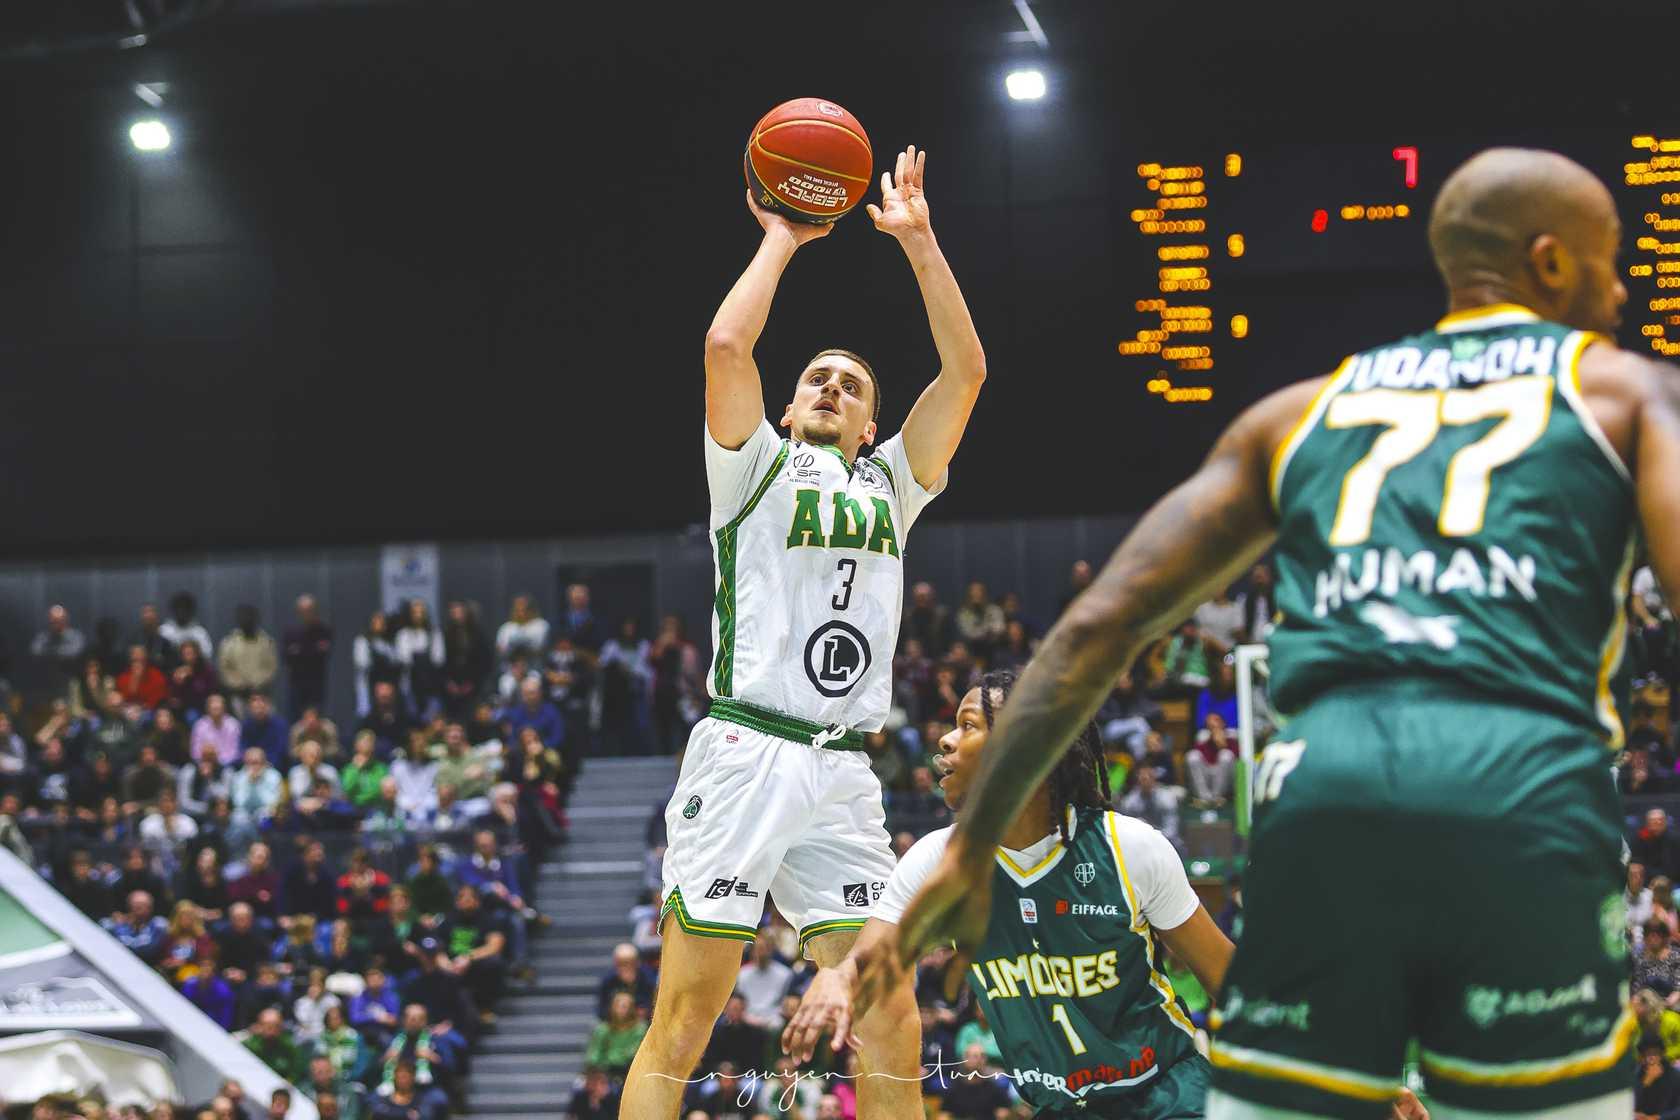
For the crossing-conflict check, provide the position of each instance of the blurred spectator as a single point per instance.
(1015, 650)
(217, 729)
(312, 885)
(1186, 667)
(578, 622)
(269, 1041)
(1662, 905)
(1638, 896)
(388, 718)
(1154, 803)
(196, 786)
(626, 679)
(1079, 578)
(734, 1040)
(416, 776)
(429, 886)
(595, 1099)
(466, 659)
(309, 1011)
(404, 1097)
(630, 976)
(1636, 778)
(885, 759)
(58, 651)
(1658, 1022)
(259, 885)
(311, 724)
(978, 1032)
(166, 734)
(534, 711)
(309, 770)
(763, 982)
(1211, 762)
(182, 627)
(678, 687)
(86, 892)
(1656, 1091)
(185, 944)
(191, 682)
(256, 788)
(474, 938)
(979, 621)
(1655, 846)
(14, 752)
(249, 659)
(469, 771)
(142, 682)
(307, 646)
(262, 727)
(377, 660)
(210, 992)
(525, 633)
(242, 945)
(976, 1090)
(926, 622)
(613, 1043)
(363, 774)
(1220, 696)
(1220, 620)
(139, 928)
(204, 885)
(166, 829)
(363, 891)
(137, 875)
(1657, 965)
(1127, 715)
(376, 1010)
(89, 690)
(419, 645)
(148, 635)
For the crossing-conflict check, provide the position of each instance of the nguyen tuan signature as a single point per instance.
(749, 1079)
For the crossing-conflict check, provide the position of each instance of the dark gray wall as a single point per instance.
(1032, 557)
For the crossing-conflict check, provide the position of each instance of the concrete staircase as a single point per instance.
(527, 1064)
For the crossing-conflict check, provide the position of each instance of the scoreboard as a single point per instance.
(1206, 231)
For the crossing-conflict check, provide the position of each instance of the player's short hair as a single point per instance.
(869, 371)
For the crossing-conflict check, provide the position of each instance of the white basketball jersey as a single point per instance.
(809, 554)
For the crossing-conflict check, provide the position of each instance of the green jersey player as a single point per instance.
(1436, 847)
(776, 797)
(1070, 971)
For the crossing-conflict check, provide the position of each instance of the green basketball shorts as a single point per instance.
(1429, 865)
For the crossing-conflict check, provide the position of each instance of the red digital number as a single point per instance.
(1409, 156)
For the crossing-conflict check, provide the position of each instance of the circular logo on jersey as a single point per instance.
(1085, 873)
(692, 809)
(836, 658)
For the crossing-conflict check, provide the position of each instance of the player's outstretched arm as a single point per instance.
(1656, 473)
(1192, 543)
(935, 425)
(734, 395)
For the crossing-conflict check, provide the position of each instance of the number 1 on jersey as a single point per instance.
(843, 598)
(1059, 1016)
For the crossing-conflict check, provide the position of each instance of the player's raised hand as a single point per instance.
(825, 1008)
(1408, 1107)
(801, 232)
(904, 210)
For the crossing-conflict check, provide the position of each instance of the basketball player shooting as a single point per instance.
(1455, 515)
(776, 795)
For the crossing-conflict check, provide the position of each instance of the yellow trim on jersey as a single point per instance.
(1515, 1075)
(1169, 999)
(1610, 654)
(1027, 873)
(1569, 383)
(1458, 320)
(1274, 1067)
(1307, 421)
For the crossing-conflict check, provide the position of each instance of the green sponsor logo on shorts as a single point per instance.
(692, 809)
(1612, 926)
(1486, 1006)
(1267, 1014)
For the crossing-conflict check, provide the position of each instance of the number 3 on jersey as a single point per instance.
(1413, 419)
(843, 598)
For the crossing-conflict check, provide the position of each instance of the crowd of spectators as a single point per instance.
(350, 904)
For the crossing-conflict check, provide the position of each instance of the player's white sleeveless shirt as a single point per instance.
(809, 555)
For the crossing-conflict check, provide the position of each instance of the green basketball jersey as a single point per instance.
(1070, 973)
(1448, 507)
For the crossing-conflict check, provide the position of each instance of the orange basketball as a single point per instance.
(809, 160)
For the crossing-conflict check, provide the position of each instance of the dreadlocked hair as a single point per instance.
(1080, 779)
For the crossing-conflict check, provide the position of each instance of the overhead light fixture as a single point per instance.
(151, 92)
(1024, 85)
(149, 135)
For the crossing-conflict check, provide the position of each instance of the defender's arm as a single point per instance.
(1203, 946)
(734, 395)
(935, 425)
(1656, 473)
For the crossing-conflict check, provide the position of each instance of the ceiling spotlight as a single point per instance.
(149, 135)
(1024, 85)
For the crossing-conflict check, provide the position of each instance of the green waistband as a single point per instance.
(787, 727)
